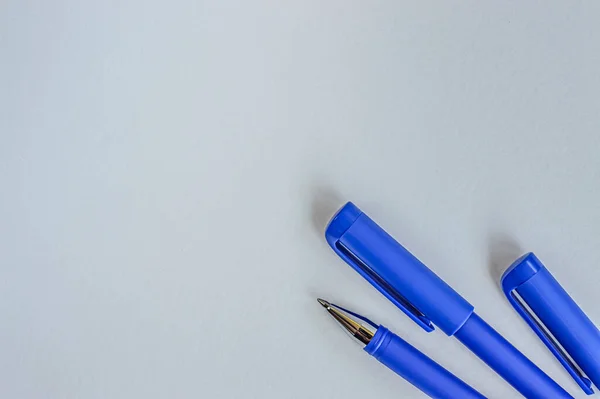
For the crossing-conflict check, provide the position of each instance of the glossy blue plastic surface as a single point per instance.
(395, 272)
(417, 368)
(557, 320)
(507, 361)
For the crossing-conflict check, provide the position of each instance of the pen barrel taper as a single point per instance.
(507, 361)
(412, 365)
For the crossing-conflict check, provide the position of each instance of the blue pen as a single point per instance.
(556, 319)
(428, 300)
(400, 357)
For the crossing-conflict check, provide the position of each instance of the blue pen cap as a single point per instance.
(395, 272)
(556, 319)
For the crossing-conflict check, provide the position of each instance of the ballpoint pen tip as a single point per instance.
(323, 303)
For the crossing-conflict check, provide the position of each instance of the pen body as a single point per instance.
(428, 300)
(507, 361)
(559, 313)
(418, 369)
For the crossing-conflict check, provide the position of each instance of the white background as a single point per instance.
(167, 169)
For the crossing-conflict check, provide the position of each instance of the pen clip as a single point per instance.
(382, 286)
(546, 336)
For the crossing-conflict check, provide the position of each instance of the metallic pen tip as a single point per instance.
(324, 303)
(359, 327)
